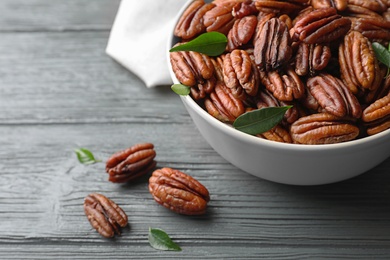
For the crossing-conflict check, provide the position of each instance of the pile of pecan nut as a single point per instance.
(314, 55)
(169, 187)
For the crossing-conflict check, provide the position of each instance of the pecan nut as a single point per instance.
(223, 105)
(220, 18)
(190, 23)
(195, 70)
(131, 163)
(280, 6)
(285, 86)
(377, 115)
(340, 5)
(311, 58)
(323, 128)
(241, 32)
(375, 29)
(358, 64)
(240, 73)
(277, 134)
(104, 215)
(378, 6)
(272, 45)
(320, 26)
(333, 96)
(178, 192)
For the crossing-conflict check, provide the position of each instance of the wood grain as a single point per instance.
(59, 91)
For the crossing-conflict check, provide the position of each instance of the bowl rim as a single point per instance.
(373, 139)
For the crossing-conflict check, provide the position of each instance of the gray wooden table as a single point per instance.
(60, 91)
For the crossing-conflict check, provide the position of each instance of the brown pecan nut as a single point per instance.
(340, 5)
(361, 12)
(323, 128)
(285, 86)
(277, 134)
(241, 32)
(311, 58)
(333, 96)
(240, 73)
(280, 6)
(320, 26)
(266, 99)
(272, 45)
(373, 28)
(244, 8)
(131, 163)
(377, 116)
(191, 21)
(220, 18)
(178, 192)
(378, 6)
(358, 64)
(195, 70)
(223, 105)
(104, 215)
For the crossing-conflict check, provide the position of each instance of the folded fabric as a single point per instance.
(138, 38)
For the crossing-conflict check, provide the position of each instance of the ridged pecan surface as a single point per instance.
(104, 215)
(178, 192)
(131, 163)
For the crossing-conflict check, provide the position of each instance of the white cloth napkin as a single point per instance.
(138, 38)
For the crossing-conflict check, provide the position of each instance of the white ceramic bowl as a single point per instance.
(287, 163)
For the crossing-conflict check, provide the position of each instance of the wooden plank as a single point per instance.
(57, 15)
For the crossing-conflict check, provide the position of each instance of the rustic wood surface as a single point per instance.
(59, 91)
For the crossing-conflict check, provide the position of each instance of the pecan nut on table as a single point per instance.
(315, 56)
(104, 215)
(178, 191)
(131, 163)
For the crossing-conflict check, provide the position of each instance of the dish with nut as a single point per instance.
(316, 56)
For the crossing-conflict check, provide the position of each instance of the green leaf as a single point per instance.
(381, 53)
(181, 89)
(261, 120)
(85, 156)
(210, 43)
(160, 240)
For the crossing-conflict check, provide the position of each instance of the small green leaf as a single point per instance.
(85, 156)
(210, 43)
(160, 240)
(381, 53)
(261, 120)
(180, 89)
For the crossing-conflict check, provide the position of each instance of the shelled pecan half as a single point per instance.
(241, 32)
(240, 73)
(285, 85)
(320, 26)
(311, 58)
(244, 8)
(223, 105)
(266, 99)
(377, 116)
(190, 23)
(378, 6)
(340, 5)
(178, 192)
(277, 134)
(358, 64)
(104, 215)
(272, 45)
(220, 18)
(195, 70)
(333, 96)
(131, 163)
(323, 128)
(280, 6)
(373, 28)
